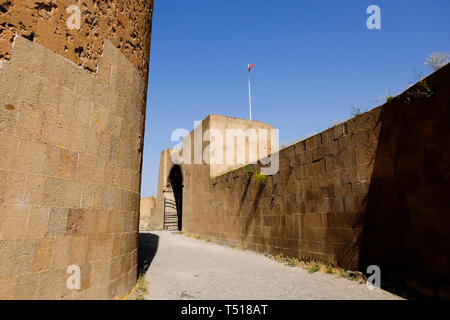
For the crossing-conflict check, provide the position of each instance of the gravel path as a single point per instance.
(186, 268)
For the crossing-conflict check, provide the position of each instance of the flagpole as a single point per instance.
(249, 94)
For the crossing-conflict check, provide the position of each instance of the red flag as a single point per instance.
(250, 67)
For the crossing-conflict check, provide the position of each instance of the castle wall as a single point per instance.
(146, 206)
(198, 167)
(72, 109)
(126, 23)
(370, 191)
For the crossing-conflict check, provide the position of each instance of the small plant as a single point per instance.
(437, 60)
(423, 90)
(389, 98)
(248, 169)
(142, 283)
(314, 267)
(329, 268)
(349, 275)
(292, 262)
(356, 111)
(260, 178)
(139, 291)
(279, 257)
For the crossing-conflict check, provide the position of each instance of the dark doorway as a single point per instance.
(176, 182)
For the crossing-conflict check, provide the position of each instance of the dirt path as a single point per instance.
(185, 268)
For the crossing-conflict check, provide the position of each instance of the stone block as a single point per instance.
(29, 121)
(12, 188)
(75, 222)
(67, 102)
(85, 84)
(53, 67)
(110, 53)
(8, 114)
(7, 288)
(60, 254)
(50, 284)
(100, 117)
(57, 221)
(28, 87)
(43, 255)
(49, 94)
(86, 169)
(30, 157)
(9, 78)
(51, 165)
(27, 287)
(70, 76)
(99, 93)
(54, 192)
(24, 257)
(108, 199)
(73, 194)
(38, 222)
(78, 252)
(102, 220)
(83, 110)
(104, 71)
(7, 257)
(68, 164)
(22, 52)
(8, 146)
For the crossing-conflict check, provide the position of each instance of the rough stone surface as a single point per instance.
(70, 163)
(126, 23)
(146, 206)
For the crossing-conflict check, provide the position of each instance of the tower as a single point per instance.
(73, 88)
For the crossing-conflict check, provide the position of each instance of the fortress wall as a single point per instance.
(71, 130)
(370, 191)
(146, 207)
(127, 24)
(196, 177)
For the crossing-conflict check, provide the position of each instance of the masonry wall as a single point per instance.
(146, 207)
(197, 171)
(372, 190)
(71, 128)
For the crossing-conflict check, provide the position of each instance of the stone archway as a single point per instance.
(175, 182)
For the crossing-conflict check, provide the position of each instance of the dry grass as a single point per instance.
(140, 290)
(317, 266)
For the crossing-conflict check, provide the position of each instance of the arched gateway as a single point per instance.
(173, 200)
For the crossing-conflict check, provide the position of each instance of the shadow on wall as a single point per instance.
(406, 224)
(148, 246)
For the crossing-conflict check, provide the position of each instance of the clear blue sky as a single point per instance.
(314, 60)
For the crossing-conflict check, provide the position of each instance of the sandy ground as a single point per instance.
(190, 269)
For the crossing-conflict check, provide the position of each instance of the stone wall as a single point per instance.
(146, 206)
(203, 161)
(71, 129)
(370, 191)
(126, 23)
